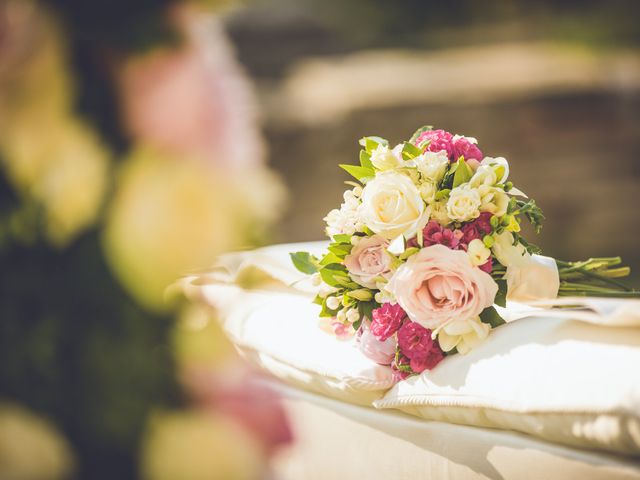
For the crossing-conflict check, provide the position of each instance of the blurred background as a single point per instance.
(140, 139)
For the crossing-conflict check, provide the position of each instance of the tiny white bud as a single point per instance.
(333, 303)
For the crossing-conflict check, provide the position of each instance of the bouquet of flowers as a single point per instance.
(427, 243)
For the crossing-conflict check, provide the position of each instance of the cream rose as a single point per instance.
(463, 334)
(428, 191)
(432, 165)
(392, 206)
(439, 212)
(464, 203)
(368, 261)
(438, 285)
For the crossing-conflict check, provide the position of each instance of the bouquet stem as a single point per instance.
(594, 277)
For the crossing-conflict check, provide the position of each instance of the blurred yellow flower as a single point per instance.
(30, 447)
(58, 162)
(197, 445)
(168, 216)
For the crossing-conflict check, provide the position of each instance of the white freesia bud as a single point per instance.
(341, 316)
(361, 294)
(326, 290)
(333, 303)
(432, 165)
(464, 203)
(478, 252)
(493, 200)
(462, 334)
(353, 315)
(428, 191)
(500, 165)
(392, 206)
(316, 280)
(384, 159)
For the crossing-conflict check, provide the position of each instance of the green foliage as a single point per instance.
(532, 212)
(372, 142)
(362, 174)
(501, 296)
(492, 317)
(462, 173)
(365, 159)
(410, 151)
(304, 262)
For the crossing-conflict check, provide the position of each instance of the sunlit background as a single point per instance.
(140, 139)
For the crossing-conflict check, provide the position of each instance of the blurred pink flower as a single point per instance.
(242, 397)
(193, 100)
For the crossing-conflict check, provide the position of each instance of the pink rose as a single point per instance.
(387, 320)
(461, 147)
(436, 234)
(437, 285)
(438, 140)
(368, 260)
(382, 352)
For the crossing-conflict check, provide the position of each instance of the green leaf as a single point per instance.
(330, 274)
(360, 173)
(326, 311)
(304, 262)
(408, 252)
(366, 309)
(341, 250)
(365, 159)
(442, 194)
(342, 238)
(501, 296)
(372, 142)
(409, 151)
(492, 317)
(418, 132)
(463, 173)
(330, 258)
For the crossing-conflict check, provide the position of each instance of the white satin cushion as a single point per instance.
(561, 380)
(274, 325)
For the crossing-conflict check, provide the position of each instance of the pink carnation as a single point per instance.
(461, 147)
(438, 140)
(387, 320)
(415, 343)
(435, 234)
(477, 229)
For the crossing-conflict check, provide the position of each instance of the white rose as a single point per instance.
(500, 165)
(432, 165)
(428, 191)
(493, 200)
(478, 252)
(463, 334)
(392, 206)
(464, 203)
(506, 252)
(385, 159)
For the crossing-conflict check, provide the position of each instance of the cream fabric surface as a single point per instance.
(339, 441)
(568, 376)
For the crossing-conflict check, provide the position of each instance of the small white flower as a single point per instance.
(428, 191)
(462, 334)
(347, 219)
(353, 315)
(384, 159)
(316, 280)
(478, 252)
(500, 165)
(485, 175)
(439, 212)
(464, 203)
(506, 252)
(493, 200)
(432, 165)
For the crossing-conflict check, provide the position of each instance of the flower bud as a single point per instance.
(333, 303)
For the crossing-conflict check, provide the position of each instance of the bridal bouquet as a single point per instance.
(425, 245)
